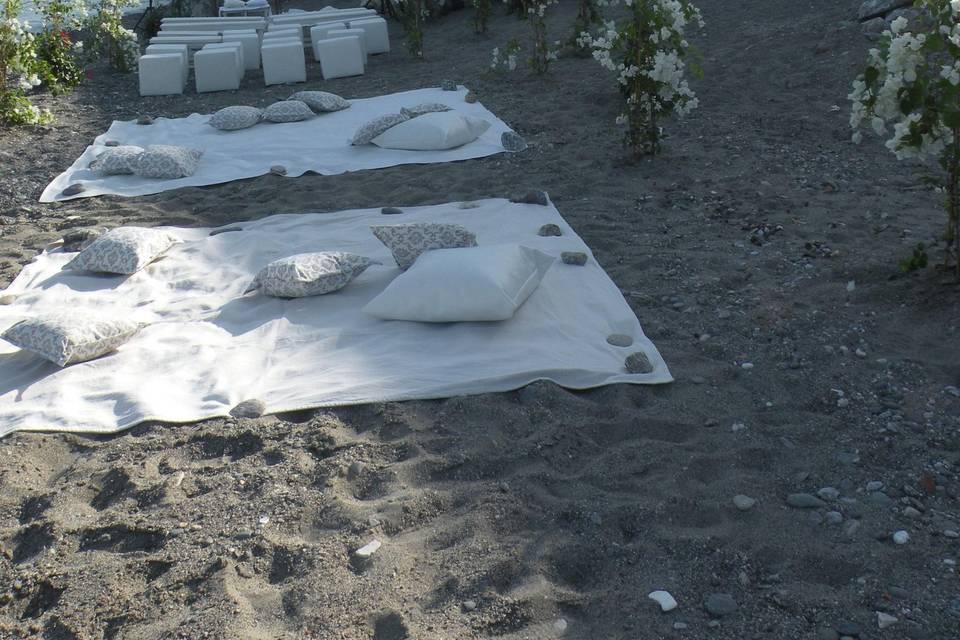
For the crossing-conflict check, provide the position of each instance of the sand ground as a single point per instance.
(545, 513)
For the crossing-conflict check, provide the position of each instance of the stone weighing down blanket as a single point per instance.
(211, 348)
(320, 144)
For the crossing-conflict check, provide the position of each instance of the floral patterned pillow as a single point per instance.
(234, 118)
(407, 241)
(375, 127)
(73, 337)
(426, 107)
(321, 101)
(120, 160)
(309, 274)
(287, 111)
(123, 250)
(167, 162)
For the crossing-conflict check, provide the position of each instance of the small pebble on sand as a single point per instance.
(664, 599)
(575, 258)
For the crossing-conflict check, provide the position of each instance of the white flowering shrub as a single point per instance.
(543, 53)
(912, 85)
(108, 39)
(506, 59)
(19, 63)
(647, 50)
(588, 16)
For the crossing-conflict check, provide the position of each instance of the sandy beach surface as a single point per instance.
(759, 252)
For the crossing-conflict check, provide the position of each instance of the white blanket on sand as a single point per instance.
(320, 144)
(211, 348)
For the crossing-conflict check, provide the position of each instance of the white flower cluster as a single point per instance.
(892, 73)
(506, 60)
(665, 66)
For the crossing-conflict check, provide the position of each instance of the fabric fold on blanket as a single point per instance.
(320, 144)
(208, 347)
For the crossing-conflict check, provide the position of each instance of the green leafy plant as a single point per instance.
(59, 56)
(108, 39)
(912, 83)
(647, 50)
(481, 15)
(19, 64)
(918, 260)
(413, 13)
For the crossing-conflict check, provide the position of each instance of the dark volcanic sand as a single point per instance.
(554, 512)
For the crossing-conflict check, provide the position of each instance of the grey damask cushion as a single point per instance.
(375, 127)
(167, 162)
(121, 160)
(321, 101)
(123, 250)
(233, 118)
(407, 241)
(426, 107)
(72, 337)
(287, 111)
(309, 274)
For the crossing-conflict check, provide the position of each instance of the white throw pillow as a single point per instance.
(433, 132)
(68, 338)
(463, 285)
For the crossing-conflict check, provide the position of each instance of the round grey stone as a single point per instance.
(111, 143)
(513, 142)
(74, 189)
(743, 503)
(217, 232)
(720, 604)
(448, 85)
(278, 170)
(619, 340)
(532, 197)
(576, 258)
(851, 629)
(548, 230)
(805, 501)
(9, 298)
(144, 120)
(833, 517)
(471, 97)
(638, 363)
(391, 211)
(79, 239)
(469, 605)
(253, 408)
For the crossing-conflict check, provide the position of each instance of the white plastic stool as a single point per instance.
(283, 62)
(340, 57)
(234, 46)
(281, 33)
(251, 46)
(320, 31)
(173, 48)
(377, 36)
(216, 69)
(161, 74)
(344, 33)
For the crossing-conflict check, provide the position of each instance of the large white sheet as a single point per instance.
(211, 348)
(320, 144)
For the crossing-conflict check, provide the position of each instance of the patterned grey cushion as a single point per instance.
(72, 337)
(123, 250)
(375, 127)
(407, 241)
(426, 107)
(321, 101)
(116, 161)
(167, 162)
(309, 274)
(287, 111)
(233, 118)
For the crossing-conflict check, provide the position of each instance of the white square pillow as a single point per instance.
(309, 274)
(463, 285)
(432, 132)
(116, 161)
(167, 162)
(407, 241)
(123, 250)
(72, 337)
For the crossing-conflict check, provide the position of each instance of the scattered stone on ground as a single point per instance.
(720, 605)
(513, 142)
(550, 229)
(619, 340)
(743, 503)
(391, 211)
(638, 363)
(575, 258)
(664, 599)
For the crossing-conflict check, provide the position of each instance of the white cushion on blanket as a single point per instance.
(462, 285)
(433, 132)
